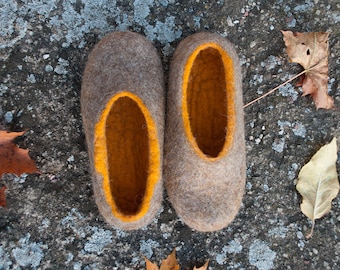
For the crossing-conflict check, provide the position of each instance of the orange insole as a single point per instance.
(127, 154)
(207, 102)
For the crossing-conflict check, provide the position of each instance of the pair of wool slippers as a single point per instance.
(196, 142)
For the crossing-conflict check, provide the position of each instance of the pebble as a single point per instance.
(8, 117)
(48, 68)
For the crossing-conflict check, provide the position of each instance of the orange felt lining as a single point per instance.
(208, 108)
(127, 155)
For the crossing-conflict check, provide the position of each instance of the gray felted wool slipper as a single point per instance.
(122, 105)
(204, 152)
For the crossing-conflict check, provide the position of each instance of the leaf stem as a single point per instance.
(277, 87)
(311, 231)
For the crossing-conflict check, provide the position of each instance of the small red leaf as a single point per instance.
(12, 158)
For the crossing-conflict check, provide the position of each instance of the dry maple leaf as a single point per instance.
(170, 263)
(3, 196)
(150, 265)
(318, 183)
(12, 158)
(310, 50)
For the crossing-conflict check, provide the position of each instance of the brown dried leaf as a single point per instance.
(12, 158)
(310, 50)
(150, 265)
(170, 263)
(3, 196)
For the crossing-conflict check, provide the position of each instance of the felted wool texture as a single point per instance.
(206, 194)
(120, 62)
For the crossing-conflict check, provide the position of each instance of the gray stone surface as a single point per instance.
(52, 222)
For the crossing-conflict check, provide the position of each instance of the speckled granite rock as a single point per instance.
(51, 220)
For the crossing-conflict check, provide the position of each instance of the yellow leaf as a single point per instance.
(170, 263)
(204, 267)
(318, 183)
(310, 50)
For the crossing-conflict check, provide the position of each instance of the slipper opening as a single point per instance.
(208, 100)
(128, 156)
